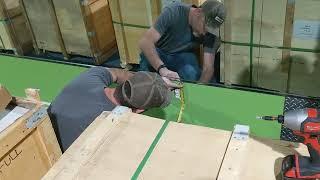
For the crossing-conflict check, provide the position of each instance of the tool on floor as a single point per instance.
(305, 123)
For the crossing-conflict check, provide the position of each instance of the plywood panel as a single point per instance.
(72, 27)
(114, 8)
(42, 24)
(136, 12)
(10, 8)
(272, 24)
(114, 145)
(23, 160)
(6, 42)
(187, 152)
(15, 35)
(307, 12)
(256, 158)
(110, 148)
(304, 73)
(269, 74)
(102, 25)
(133, 36)
(240, 65)
(241, 20)
(118, 29)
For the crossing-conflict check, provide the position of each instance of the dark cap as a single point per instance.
(215, 14)
(145, 90)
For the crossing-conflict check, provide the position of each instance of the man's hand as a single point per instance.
(172, 85)
(164, 72)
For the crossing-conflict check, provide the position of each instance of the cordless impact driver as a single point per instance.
(305, 123)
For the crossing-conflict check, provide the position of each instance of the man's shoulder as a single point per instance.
(178, 7)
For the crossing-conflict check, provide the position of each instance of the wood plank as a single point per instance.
(24, 160)
(9, 9)
(15, 35)
(72, 26)
(287, 38)
(256, 158)
(187, 152)
(15, 133)
(122, 143)
(312, 7)
(226, 69)
(49, 142)
(133, 36)
(104, 35)
(112, 147)
(28, 152)
(118, 29)
(136, 12)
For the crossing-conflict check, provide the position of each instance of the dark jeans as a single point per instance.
(184, 63)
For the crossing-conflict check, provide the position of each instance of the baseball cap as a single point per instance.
(215, 14)
(145, 90)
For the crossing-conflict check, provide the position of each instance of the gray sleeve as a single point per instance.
(166, 19)
(98, 75)
(211, 43)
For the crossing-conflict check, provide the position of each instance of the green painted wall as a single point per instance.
(207, 106)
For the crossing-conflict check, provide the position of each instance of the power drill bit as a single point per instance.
(279, 118)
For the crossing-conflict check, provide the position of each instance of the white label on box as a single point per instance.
(12, 116)
(306, 30)
(165, 3)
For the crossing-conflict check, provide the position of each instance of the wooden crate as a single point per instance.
(123, 140)
(28, 150)
(72, 27)
(131, 19)
(141, 147)
(270, 66)
(14, 34)
(257, 158)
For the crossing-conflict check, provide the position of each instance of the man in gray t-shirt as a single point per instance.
(167, 47)
(89, 94)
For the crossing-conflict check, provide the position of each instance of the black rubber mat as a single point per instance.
(293, 103)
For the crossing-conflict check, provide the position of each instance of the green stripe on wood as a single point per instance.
(149, 152)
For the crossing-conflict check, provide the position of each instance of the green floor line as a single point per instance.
(149, 152)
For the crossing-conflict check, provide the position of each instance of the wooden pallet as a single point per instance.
(128, 145)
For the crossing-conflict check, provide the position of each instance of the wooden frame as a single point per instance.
(141, 147)
(110, 136)
(28, 152)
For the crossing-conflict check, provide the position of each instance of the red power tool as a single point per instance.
(305, 123)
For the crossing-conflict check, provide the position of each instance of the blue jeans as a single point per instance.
(184, 63)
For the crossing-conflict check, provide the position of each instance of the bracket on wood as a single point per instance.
(241, 132)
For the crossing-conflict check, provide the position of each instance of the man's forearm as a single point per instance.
(206, 75)
(149, 50)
